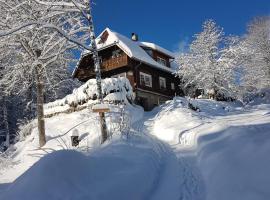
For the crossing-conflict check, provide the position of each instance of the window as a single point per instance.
(161, 61)
(145, 79)
(172, 86)
(162, 83)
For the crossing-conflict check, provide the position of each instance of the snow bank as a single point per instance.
(120, 170)
(173, 119)
(116, 89)
(235, 163)
(59, 130)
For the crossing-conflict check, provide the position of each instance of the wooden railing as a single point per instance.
(113, 63)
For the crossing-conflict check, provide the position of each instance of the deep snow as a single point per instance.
(172, 152)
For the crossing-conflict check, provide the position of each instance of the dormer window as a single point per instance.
(149, 52)
(161, 61)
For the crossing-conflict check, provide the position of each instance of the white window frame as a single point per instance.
(161, 61)
(145, 79)
(162, 83)
(172, 86)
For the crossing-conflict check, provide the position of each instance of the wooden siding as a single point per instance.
(113, 63)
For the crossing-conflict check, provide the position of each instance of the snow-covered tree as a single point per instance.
(256, 51)
(43, 34)
(208, 64)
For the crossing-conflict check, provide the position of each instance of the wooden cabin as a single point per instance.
(147, 66)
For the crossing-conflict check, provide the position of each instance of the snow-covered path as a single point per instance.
(168, 181)
(189, 183)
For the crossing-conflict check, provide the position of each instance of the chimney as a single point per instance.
(134, 37)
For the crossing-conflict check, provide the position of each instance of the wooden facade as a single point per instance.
(115, 62)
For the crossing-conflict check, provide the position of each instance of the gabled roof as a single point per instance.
(132, 48)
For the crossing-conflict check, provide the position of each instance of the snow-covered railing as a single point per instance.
(114, 90)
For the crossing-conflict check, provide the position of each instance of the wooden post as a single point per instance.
(101, 109)
(104, 134)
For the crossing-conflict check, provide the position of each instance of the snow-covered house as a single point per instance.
(148, 67)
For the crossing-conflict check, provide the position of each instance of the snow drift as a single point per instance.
(175, 118)
(123, 169)
(235, 163)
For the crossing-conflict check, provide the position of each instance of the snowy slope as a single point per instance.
(225, 147)
(58, 132)
(173, 153)
(119, 170)
(140, 167)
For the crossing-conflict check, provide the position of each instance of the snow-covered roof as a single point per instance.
(132, 48)
(157, 48)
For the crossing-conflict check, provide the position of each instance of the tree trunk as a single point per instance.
(5, 118)
(40, 102)
(104, 134)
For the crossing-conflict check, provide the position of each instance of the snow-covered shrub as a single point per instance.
(255, 98)
(5, 161)
(119, 120)
(114, 90)
(26, 129)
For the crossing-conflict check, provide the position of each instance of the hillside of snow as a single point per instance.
(221, 151)
(227, 146)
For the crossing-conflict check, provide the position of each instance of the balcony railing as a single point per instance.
(116, 62)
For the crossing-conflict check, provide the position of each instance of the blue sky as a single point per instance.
(170, 23)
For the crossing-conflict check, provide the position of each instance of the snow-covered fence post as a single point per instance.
(104, 133)
(101, 109)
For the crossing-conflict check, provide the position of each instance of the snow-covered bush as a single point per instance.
(255, 98)
(113, 89)
(5, 161)
(26, 129)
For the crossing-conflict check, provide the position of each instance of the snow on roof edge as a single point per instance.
(157, 48)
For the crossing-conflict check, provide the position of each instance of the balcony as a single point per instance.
(113, 63)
